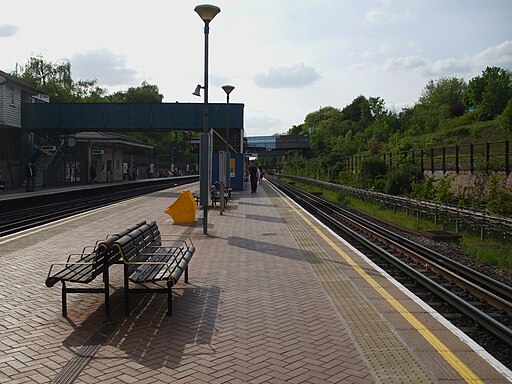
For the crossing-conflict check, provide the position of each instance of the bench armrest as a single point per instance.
(177, 240)
(79, 256)
(50, 280)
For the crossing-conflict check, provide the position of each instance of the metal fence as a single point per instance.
(494, 156)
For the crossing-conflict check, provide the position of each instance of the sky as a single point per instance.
(285, 58)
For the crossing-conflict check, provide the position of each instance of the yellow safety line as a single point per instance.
(466, 373)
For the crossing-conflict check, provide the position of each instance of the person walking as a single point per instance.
(261, 174)
(254, 176)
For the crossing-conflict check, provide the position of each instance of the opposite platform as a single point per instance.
(271, 299)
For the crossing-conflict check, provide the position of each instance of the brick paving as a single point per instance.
(255, 310)
(252, 313)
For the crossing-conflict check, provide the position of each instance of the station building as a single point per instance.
(60, 159)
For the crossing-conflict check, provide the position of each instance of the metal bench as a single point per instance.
(84, 267)
(215, 195)
(150, 258)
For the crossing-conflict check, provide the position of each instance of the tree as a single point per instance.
(296, 130)
(145, 93)
(444, 94)
(489, 93)
(505, 118)
(324, 126)
(54, 80)
(353, 111)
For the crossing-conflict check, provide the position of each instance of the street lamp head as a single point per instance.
(207, 12)
(228, 89)
(197, 92)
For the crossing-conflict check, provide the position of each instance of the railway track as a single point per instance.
(56, 206)
(472, 301)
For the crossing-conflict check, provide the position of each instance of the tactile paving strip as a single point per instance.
(388, 358)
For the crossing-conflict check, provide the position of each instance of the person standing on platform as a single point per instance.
(254, 176)
(92, 173)
(29, 176)
(34, 175)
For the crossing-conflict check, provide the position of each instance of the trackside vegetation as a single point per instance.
(449, 112)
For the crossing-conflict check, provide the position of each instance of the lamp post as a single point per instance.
(206, 12)
(228, 89)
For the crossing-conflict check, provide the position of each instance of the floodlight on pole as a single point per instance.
(197, 92)
(206, 12)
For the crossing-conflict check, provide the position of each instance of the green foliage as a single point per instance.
(499, 199)
(444, 94)
(54, 80)
(342, 198)
(372, 171)
(444, 193)
(145, 93)
(489, 93)
(399, 181)
(424, 189)
(439, 191)
(505, 118)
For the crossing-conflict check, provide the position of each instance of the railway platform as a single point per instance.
(273, 297)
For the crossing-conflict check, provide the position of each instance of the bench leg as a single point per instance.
(126, 292)
(107, 291)
(186, 274)
(64, 302)
(169, 300)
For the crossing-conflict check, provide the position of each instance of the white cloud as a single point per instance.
(381, 15)
(262, 125)
(105, 66)
(395, 64)
(358, 67)
(296, 76)
(447, 67)
(378, 51)
(8, 30)
(499, 55)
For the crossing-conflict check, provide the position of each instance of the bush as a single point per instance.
(399, 181)
(371, 169)
(505, 119)
(424, 190)
(444, 193)
(342, 198)
(499, 199)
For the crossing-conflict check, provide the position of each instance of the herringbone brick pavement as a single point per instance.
(254, 312)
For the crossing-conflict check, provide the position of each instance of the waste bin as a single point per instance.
(183, 210)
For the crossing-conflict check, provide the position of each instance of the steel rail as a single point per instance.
(403, 244)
